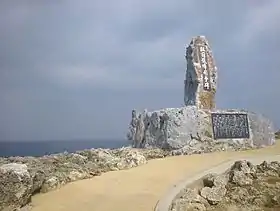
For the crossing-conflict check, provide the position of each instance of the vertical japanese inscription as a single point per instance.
(205, 68)
(230, 125)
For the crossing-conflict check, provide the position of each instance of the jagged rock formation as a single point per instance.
(22, 177)
(190, 127)
(201, 75)
(244, 187)
(15, 186)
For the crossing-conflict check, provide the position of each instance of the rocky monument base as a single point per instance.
(181, 128)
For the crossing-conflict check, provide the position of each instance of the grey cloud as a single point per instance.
(71, 69)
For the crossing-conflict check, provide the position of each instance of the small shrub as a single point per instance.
(277, 134)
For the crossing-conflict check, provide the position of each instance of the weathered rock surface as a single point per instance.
(243, 187)
(191, 129)
(22, 177)
(15, 185)
(201, 75)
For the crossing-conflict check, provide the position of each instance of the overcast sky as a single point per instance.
(75, 69)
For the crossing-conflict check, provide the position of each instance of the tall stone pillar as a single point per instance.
(201, 75)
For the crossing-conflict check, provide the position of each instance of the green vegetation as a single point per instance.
(277, 134)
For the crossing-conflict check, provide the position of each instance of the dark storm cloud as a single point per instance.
(72, 69)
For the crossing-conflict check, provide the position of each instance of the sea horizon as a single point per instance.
(45, 147)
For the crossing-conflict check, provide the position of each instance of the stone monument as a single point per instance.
(201, 75)
(199, 124)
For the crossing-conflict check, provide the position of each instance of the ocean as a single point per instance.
(40, 148)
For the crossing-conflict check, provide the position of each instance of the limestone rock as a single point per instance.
(221, 180)
(22, 177)
(241, 179)
(213, 195)
(242, 173)
(269, 169)
(201, 75)
(212, 180)
(208, 180)
(131, 159)
(189, 200)
(132, 127)
(140, 131)
(195, 206)
(154, 153)
(50, 183)
(244, 166)
(76, 175)
(192, 196)
(192, 128)
(238, 194)
(243, 187)
(15, 186)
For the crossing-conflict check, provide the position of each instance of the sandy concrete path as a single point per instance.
(136, 189)
(164, 203)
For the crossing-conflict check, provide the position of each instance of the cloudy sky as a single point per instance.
(74, 69)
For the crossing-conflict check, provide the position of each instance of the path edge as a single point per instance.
(164, 203)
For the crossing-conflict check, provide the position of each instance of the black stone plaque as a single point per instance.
(230, 125)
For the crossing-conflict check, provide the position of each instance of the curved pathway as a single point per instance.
(137, 189)
(164, 203)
